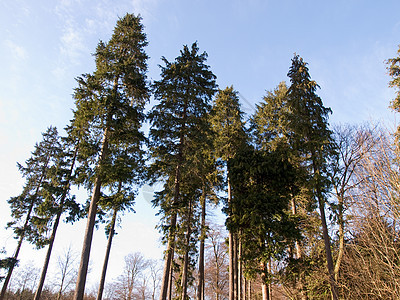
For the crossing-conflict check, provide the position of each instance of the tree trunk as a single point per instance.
(49, 250)
(298, 256)
(249, 295)
(235, 266)
(200, 288)
(240, 271)
(171, 274)
(231, 250)
(108, 250)
(264, 284)
(87, 240)
(10, 270)
(328, 251)
(55, 227)
(297, 244)
(186, 258)
(167, 278)
(341, 238)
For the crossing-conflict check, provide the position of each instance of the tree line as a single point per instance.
(311, 210)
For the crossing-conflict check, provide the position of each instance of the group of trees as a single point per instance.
(311, 211)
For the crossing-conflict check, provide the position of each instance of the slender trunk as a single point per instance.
(240, 271)
(108, 250)
(186, 258)
(249, 295)
(328, 251)
(200, 289)
(235, 266)
(167, 273)
(231, 250)
(264, 284)
(245, 289)
(170, 279)
(87, 240)
(10, 270)
(297, 244)
(22, 236)
(55, 227)
(301, 283)
(341, 239)
(269, 282)
(171, 238)
(49, 250)
(327, 242)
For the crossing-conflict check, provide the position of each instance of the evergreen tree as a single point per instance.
(263, 182)
(271, 132)
(394, 72)
(311, 138)
(270, 123)
(108, 116)
(178, 125)
(57, 199)
(230, 137)
(23, 206)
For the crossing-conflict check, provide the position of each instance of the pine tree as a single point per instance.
(262, 189)
(178, 124)
(394, 71)
(311, 138)
(109, 104)
(269, 122)
(57, 199)
(230, 138)
(23, 206)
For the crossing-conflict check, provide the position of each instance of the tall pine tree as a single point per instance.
(178, 124)
(230, 137)
(23, 206)
(109, 114)
(309, 135)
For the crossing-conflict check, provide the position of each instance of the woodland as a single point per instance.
(312, 210)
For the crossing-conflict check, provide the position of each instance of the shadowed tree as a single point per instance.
(263, 183)
(311, 138)
(230, 136)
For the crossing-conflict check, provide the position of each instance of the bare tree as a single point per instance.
(154, 276)
(67, 266)
(135, 265)
(216, 264)
(25, 281)
(354, 143)
(370, 264)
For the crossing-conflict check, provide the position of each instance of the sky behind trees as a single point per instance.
(46, 44)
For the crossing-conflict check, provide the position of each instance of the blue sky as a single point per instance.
(45, 44)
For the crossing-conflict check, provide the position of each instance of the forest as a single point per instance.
(312, 210)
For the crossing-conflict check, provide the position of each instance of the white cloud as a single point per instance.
(18, 52)
(72, 43)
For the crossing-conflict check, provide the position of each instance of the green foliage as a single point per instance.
(394, 71)
(262, 183)
(179, 121)
(109, 114)
(270, 121)
(308, 131)
(227, 123)
(26, 207)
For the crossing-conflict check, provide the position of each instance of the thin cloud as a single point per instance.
(72, 43)
(18, 52)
